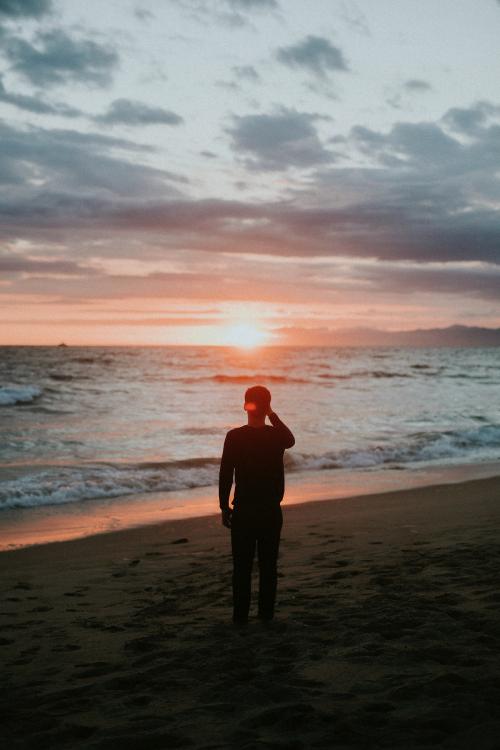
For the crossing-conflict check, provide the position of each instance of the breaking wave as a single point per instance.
(56, 485)
(10, 395)
(481, 443)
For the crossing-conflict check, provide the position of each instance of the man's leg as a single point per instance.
(243, 550)
(268, 542)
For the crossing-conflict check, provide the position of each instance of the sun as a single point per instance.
(244, 335)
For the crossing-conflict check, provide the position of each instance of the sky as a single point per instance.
(253, 171)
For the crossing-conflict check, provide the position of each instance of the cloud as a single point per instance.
(53, 172)
(314, 54)
(106, 322)
(232, 13)
(417, 85)
(272, 142)
(249, 5)
(37, 105)
(246, 73)
(143, 14)
(422, 196)
(23, 265)
(135, 113)
(481, 280)
(412, 86)
(27, 8)
(420, 215)
(228, 85)
(407, 142)
(57, 58)
(352, 15)
(470, 120)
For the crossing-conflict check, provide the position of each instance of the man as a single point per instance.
(254, 453)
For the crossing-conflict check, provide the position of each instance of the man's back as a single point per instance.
(255, 454)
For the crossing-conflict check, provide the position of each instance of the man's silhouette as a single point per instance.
(254, 453)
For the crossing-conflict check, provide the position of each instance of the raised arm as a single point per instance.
(226, 472)
(285, 433)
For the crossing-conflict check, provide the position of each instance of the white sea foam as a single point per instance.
(18, 394)
(61, 485)
(68, 484)
(482, 443)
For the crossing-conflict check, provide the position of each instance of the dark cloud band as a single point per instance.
(57, 58)
(314, 54)
(25, 8)
(136, 114)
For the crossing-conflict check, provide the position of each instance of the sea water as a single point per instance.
(80, 423)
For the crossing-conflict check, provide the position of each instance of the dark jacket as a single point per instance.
(255, 456)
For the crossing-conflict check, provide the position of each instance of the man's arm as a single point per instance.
(226, 472)
(285, 433)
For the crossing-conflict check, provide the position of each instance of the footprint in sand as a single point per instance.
(19, 662)
(292, 716)
(491, 597)
(94, 669)
(142, 645)
(139, 700)
(93, 623)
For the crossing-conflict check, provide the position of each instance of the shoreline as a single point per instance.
(25, 527)
(385, 636)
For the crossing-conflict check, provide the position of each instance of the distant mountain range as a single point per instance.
(420, 337)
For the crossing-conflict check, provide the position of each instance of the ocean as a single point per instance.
(81, 423)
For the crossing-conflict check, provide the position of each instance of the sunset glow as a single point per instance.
(245, 336)
(247, 172)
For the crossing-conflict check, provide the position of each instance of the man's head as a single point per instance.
(257, 400)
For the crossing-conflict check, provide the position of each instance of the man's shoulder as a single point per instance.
(234, 432)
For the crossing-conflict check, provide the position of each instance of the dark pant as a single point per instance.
(249, 530)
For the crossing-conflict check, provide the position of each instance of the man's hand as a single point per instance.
(269, 410)
(226, 518)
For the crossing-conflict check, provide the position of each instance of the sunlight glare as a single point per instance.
(244, 335)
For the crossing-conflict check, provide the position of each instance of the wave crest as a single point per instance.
(56, 485)
(10, 395)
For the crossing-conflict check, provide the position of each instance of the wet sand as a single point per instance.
(386, 633)
(22, 527)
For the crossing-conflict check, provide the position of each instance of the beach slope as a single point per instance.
(386, 633)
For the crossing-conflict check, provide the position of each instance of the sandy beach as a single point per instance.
(386, 633)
